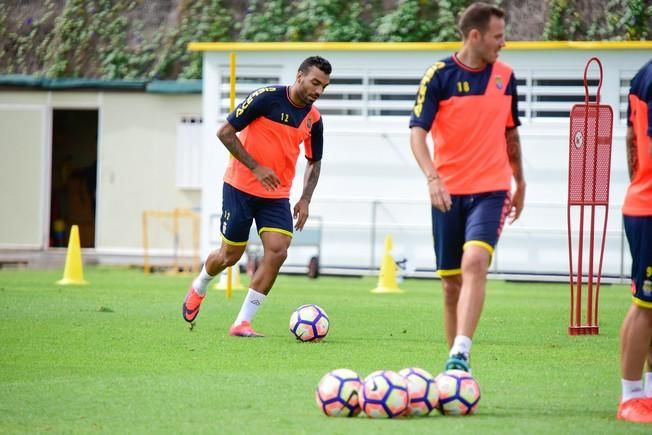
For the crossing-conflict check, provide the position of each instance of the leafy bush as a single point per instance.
(331, 20)
(564, 21)
(117, 39)
(622, 20)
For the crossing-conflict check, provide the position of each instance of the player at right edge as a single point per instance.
(636, 331)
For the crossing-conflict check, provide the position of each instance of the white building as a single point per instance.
(370, 185)
(153, 153)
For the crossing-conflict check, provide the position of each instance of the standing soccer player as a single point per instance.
(636, 332)
(469, 102)
(273, 121)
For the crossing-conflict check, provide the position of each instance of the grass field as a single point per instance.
(116, 357)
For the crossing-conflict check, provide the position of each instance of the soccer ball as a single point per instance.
(459, 392)
(309, 323)
(337, 393)
(384, 394)
(424, 396)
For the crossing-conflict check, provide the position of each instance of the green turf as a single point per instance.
(116, 357)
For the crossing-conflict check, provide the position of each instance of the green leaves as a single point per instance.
(622, 20)
(332, 20)
(131, 39)
(199, 20)
(564, 21)
(411, 21)
(265, 20)
(420, 21)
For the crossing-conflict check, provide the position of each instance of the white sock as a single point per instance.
(462, 344)
(250, 306)
(648, 384)
(631, 389)
(201, 282)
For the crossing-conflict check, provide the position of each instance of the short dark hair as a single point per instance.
(316, 61)
(477, 16)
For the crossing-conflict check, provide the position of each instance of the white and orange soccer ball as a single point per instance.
(384, 394)
(309, 323)
(337, 393)
(459, 392)
(424, 396)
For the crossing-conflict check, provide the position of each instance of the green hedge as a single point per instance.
(114, 39)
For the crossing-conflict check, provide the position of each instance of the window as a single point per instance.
(625, 81)
(553, 95)
(344, 96)
(248, 79)
(391, 95)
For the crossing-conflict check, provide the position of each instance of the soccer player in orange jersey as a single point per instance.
(636, 332)
(273, 121)
(469, 103)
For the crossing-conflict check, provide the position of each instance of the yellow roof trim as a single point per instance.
(412, 46)
(321, 46)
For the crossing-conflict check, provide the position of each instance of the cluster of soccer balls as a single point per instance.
(384, 393)
(411, 392)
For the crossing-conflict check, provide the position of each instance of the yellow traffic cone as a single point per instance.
(72, 272)
(235, 279)
(387, 277)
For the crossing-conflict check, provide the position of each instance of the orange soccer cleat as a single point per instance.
(637, 410)
(243, 329)
(191, 304)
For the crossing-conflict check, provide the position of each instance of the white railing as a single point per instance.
(530, 247)
(543, 93)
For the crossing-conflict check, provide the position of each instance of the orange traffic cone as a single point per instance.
(72, 272)
(387, 278)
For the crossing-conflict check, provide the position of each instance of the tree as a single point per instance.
(564, 21)
(447, 17)
(412, 20)
(266, 20)
(622, 19)
(330, 20)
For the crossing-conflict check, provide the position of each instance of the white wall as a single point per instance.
(23, 123)
(137, 154)
(370, 185)
(137, 146)
(368, 164)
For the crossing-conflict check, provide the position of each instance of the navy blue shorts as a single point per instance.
(240, 209)
(472, 220)
(639, 235)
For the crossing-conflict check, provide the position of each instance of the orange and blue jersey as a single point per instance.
(467, 112)
(638, 200)
(271, 130)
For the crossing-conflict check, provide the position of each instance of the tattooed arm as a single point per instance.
(515, 160)
(310, 178)
(632, 155)
(266, 176)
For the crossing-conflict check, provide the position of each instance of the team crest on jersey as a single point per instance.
(309, 122)
(647, 288)
(499, 82)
